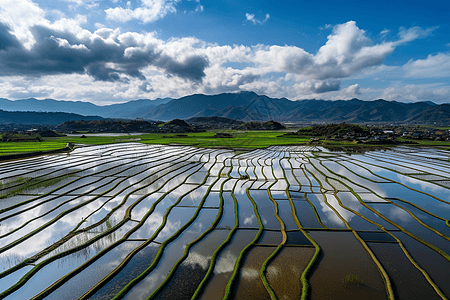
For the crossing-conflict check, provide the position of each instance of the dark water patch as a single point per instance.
(431, 221)
(284, 272)
(191, 272)
(407, 281)
(223, 269)
(285, 213)
(343, 255)
(227, 221)
(297, 238)
(248, 283)
(266, 210)
(405, 220)
(133, 268)
(305, 215)
(434, 264)
(296, 196)
(270, 237)
(349, 200)
(376, 236)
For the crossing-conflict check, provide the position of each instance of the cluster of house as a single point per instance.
(389, 134)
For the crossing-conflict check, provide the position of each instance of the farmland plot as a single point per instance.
(133, 221)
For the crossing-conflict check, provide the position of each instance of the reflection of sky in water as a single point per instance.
(70, 220)
(164, 159)
(172, 253)
(81, 282)
(326, 214)
(178, 216)
(430, 188)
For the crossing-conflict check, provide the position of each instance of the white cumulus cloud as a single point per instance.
(149, 11)
(251, 18)
(433, 66)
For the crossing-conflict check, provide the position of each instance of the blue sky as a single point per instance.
(110, 51)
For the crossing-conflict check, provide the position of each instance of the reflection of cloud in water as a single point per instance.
(249, 220)
(347, 215)
(424, 186)
(149, 227)
(196, 259)
(226, 263)
(250, 273)
(169, 229)
(141, 291)
(396, 213)
(329, 213)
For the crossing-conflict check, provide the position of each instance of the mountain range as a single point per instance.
(122, 110)
(248, 106)
(35, 118)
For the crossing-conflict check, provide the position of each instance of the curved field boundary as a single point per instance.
(436, 249)
(424, 273)
(86, 176)
(237, 264)
(159, 254)
(67, 184)
(425, 193)
(263, 269)
(127, 217)
(313, 261)
(35, 257)
(435, 287)
(69, 210)
(383, 273)
(212, 264)
(195, 241)
(62, 280)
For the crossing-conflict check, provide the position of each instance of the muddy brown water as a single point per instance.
(343, 255)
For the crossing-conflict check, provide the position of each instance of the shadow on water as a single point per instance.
(249, 284)
(407, 281)
(225, 264)
(343, 255)
(191, 272)
(284, 272)
(136, 266)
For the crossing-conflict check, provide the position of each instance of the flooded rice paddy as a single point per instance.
(134, 221)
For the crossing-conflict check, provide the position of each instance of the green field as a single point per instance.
(240, 139)
(248, 139)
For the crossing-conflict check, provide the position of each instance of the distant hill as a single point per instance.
(131, 109)
(49, 118)
(214, 122)
(248, 106)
